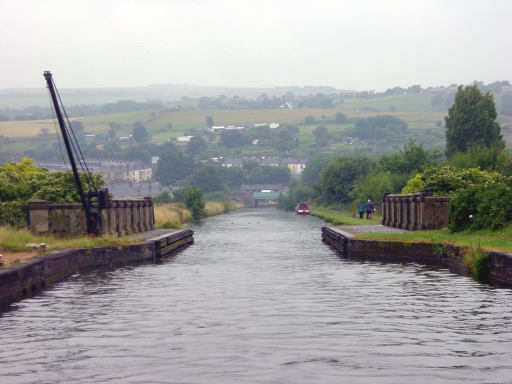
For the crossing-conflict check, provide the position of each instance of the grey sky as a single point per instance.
(359, 44)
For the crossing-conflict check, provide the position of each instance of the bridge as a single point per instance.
(254, 195)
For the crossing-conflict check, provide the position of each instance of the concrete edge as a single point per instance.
(18, 281)
(450, 256)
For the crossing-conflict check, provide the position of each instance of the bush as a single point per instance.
(194, 201)
(13, 213)
(482, 206)
(445, 179)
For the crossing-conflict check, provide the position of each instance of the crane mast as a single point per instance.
(93, 217)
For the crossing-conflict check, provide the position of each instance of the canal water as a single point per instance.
(260, 299)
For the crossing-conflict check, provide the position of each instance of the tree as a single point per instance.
(209, 121)
(172, 166)
(286, 141)
(233, 139)
(309, 120)
(338, 179)
(340, 118)
(77, 127)
(206, 178)
(471, 122)
(195, 146)
(322, 136)
(194, 201)
(140, 134)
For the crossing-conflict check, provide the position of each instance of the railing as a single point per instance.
(121, 217)
(415, 211)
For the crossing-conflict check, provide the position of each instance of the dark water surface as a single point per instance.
(260, 299)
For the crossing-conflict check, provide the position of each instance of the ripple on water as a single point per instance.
(259, 298)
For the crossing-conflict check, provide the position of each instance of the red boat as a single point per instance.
(302, 209)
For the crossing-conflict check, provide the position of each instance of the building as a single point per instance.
(295, 165)
(110, 170)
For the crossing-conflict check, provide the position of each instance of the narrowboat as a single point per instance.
(302, 209)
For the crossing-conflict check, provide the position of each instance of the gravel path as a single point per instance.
(376, 228)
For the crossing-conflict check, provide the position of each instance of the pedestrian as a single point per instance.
(369, 210)
(361, 208)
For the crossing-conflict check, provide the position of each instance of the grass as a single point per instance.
(487, 240)
(340, 218)
(174, 215)
(16, 240)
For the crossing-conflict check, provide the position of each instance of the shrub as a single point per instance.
(13, 213)
(446, 179)
(194, 201)
(482, 206)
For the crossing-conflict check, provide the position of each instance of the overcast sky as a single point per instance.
(357, 44)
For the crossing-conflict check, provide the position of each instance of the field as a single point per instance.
(424, 121)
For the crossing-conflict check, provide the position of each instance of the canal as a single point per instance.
(260, 299)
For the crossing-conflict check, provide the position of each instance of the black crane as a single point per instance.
(93, 217)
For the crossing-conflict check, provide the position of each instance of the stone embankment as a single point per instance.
(450, 256)
(21, 280)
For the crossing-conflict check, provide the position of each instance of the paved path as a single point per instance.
(374, 228)
(141, 236)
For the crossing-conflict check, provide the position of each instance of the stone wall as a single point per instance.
(415, 211)
(121, 217)
(450, 256)
(30, 276)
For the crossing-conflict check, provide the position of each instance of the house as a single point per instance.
(296, 166)
(183, 139)
(234, 162)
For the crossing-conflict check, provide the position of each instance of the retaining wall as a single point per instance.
(20, 280)
(500, 264)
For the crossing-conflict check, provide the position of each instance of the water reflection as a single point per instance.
(259, 298)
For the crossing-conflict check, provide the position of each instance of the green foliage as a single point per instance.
(286, 202)
(286, 141)
(196, 146)
(446, 179)
(162, 198)
(471, 122)
(312, 172)
(256, 174)
(140, 133)
(233, 139)
(340, 118)
(206, 178)
(215, 196)
(13, 213)
(338, 179)
(479, 263)
(194, 201)
(489, 159)
(322, 136)
(374, 185)
(377, 127)
(481, 206)
(173, 165)
(25, 181)
(412, 158)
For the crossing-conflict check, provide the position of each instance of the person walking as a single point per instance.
(361, 207)
(369, 210)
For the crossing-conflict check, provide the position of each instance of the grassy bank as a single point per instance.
(13, 242)
(487, 240)
(174, 215)
(341, 218)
